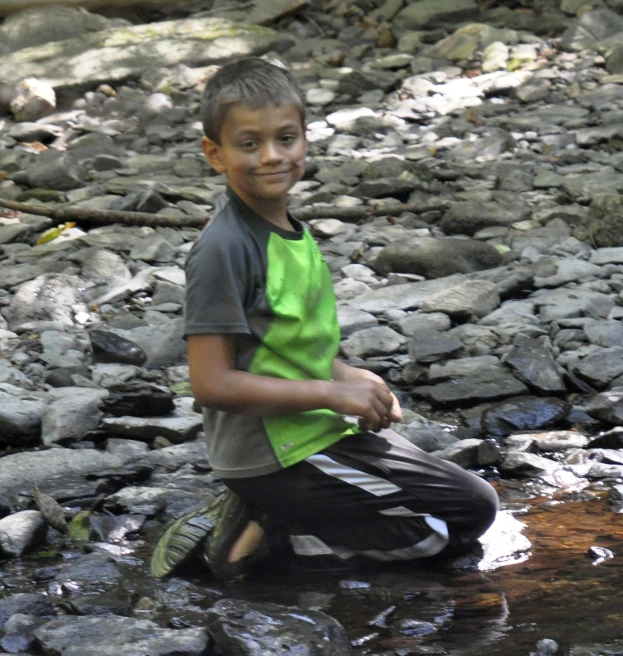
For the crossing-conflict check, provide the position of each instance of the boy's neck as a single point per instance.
(274, 210)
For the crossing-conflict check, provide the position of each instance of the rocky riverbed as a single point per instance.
(466, 172)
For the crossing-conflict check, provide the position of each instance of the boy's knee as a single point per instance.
(485, 505)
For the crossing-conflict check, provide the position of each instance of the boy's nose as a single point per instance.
(270, 153)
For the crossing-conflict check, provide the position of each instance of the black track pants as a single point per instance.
(375, 495)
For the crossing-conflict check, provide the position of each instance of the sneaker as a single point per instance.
(183, 538)
(233, 517)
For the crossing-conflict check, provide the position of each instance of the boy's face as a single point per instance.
(262, 152)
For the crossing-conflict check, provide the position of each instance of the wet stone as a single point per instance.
(525, 413)
(244, 628)
(534, 363)
(515, 463)
(26, 604)
(21, 532)
(118, 636)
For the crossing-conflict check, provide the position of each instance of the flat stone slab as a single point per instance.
(118, 636)
(180, 426)
(25, 469)
(120, 53)
(404, 297)
(490, 385)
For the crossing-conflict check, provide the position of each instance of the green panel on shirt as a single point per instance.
(300, 344)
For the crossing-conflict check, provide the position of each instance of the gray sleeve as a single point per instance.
(216, 286)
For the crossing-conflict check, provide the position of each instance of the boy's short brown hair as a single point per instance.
(250, 81)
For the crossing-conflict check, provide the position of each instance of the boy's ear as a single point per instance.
(212, 152)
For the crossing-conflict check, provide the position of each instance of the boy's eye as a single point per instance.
(288, 138)
(248, 144)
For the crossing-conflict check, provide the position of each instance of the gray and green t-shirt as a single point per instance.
(272, 289)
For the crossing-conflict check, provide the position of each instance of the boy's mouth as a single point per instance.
(269, 174)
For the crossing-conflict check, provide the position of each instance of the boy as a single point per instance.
(263, 338)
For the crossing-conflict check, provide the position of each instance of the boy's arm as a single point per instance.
(216, 383)
(343, 371)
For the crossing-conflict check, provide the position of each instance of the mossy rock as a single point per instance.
(603, 225)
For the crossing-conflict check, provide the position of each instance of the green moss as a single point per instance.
(80, 526)
(42, 195)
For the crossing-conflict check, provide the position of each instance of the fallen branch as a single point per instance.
(364, 211)
(107, 217)
(103, 217)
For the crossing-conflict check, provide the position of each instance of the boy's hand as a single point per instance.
(364, 394)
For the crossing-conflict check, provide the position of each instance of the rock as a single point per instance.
(527, 464)
(373, 341)
(418, 322)
(55, 170)
(525, 413)
(118, 636)
(436, 258)
(471, 453)
(607, 406)
(352, 320)
(19, 470)
(116, 54)
(21, 532)
(72, 415)
(559, 440)
(561, 303)
(137, 399)
(24, 603)
(162, 344)
(20, 418)
(464, 42)
(431, 346)
(470, 299)
(109, 346)
(535, 365)
(600, 367)
(592, 27)
(491, 385)
(604, 223)
(404, 297)
(469, 217)
(434, 13)
(18, 634)
(604, 333)
(242, 628)
(568, 270)
(181, 425)
(35, 26)
(34, 100)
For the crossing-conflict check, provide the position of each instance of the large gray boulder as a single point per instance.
(436, 258)
(118, 54)
(38, 25)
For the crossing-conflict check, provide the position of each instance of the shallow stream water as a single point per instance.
(549, 588)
